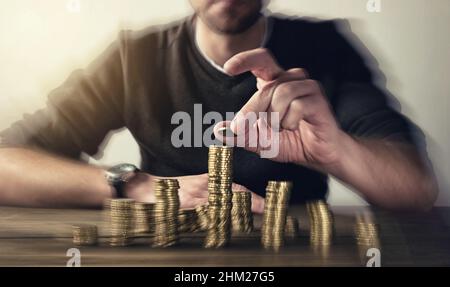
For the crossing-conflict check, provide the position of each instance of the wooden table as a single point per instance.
(41, 237)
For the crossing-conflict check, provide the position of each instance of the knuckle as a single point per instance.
(299, 72)
(263, 51)
(290, 124)
(284, 89)
(293, 126)
(313, 84)
(296, 106)
(305, 73)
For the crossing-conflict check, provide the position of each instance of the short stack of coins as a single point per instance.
(241, 212)
(366, 231)
(166, 212)
(85, 235)
(321, 222)
(144, 221)
(202, 217)
(187, 220)
(220, 169)
(275, 211)
(121, 220)
(291, 230)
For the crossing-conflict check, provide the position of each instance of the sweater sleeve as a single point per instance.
(361, 107)
(80, 113)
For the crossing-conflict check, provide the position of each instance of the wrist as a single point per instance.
(97, 189)
(117, 177)
(344, 156)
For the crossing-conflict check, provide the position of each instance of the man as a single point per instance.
(229, 58)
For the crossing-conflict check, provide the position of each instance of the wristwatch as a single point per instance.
(117, 176)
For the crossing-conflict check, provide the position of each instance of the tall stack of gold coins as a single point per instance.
(220, 179)
(121, 221)
(166, 212)
(275, 211)
(241, 212)
(321, 222)
(144, 221)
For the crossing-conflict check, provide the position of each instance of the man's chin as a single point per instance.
(229, 28)
(230, 24)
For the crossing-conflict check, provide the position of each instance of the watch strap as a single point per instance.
(119, 186)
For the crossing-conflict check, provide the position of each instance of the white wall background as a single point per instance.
(41, 42)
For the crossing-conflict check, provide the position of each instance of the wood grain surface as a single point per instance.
(41, 237)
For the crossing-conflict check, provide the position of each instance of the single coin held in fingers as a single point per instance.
(226, 132)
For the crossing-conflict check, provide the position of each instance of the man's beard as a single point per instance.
(232, 23)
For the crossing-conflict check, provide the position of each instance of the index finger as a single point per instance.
(258, 61)
(261, 100)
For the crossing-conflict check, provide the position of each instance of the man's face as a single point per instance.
(228, 16)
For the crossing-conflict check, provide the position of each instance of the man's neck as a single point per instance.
(221, 47)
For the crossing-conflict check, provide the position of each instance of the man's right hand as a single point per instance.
(193, 190)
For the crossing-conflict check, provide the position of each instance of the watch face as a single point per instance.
(117, 172)
(125, 168)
